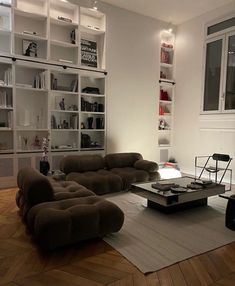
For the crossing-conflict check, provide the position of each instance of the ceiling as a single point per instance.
(172, 11)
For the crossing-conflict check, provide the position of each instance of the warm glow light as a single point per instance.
(170, 30)
(169, 173)
(65, 1)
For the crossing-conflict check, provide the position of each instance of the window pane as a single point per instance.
(221, 26)
(212, 75)
(230, 81)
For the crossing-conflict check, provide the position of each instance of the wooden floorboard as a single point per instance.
(95, 263)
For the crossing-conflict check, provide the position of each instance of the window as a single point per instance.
(219, 77)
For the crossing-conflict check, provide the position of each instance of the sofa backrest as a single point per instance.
(121, 160)
(34, 187)
(81, 163)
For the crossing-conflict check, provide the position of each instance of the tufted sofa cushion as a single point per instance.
(81, 163)
(121, 160)
(69, 189)
(100, 182)
(130, 175)
(54, 224)
(146, 165)
(37, 189)
(34, 188)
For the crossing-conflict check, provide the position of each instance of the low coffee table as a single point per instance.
(167, 201)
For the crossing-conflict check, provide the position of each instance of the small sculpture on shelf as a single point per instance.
(83, 125)
(36, 143)
(25, 142)
(62, 104)
(162, 124)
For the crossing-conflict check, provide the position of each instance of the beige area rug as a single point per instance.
(152, 240)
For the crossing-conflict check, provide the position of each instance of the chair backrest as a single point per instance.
(220, 157)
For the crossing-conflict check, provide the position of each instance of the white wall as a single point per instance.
(132, 63)
(194, 134)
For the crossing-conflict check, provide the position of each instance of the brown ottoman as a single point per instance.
(55, 224)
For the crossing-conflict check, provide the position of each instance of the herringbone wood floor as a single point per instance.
(95, 263)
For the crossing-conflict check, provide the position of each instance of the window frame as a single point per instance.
(224, 36)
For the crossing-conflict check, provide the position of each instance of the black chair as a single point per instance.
(217, 167)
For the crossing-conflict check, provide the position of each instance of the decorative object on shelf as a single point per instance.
(30, 33)
(91, 90)
(73, 107)
(30, 48)
(40, 81)
(65, 19)
(165, 45)
(44, 164)
(85, 140)
(161, 110)
(162, 124)
(74, 85)
(164, 95)
(99, 123)
(36, 143)
(73, 37)
(100, 107)
(54, 85)
(83, 125)
(62, 104)
(73, 121)
(95, 107)
(95, 5)
(90, 122)
(53, 122)
(89, 53)
(24, 117)
(165, 58)
(25, 142)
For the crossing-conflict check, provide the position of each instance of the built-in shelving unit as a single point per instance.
(166, 95)
(52, 83)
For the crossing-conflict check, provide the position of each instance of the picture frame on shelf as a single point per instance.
(30, 48)
(89, 55)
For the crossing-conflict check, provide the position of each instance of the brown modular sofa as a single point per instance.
(112, 173)
(62, 213)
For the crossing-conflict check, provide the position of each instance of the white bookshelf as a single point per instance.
(49, 85)
(166, 95)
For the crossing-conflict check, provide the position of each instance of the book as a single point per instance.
(89, 53)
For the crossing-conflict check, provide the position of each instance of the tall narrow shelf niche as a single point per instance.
(64, 110)
(64, 32)
(166, 95)
(92, 38)
(31, 90)
(92, 115)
